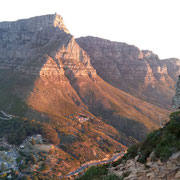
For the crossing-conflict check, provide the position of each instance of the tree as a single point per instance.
(3, 167)
(49, 133)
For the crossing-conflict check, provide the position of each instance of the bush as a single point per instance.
(112, 177)
(94, 172)
(18, 129)
(115, 163)
(49, 133)
(133, 151)
(44, 167)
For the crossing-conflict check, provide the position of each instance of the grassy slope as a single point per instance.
(163, 142)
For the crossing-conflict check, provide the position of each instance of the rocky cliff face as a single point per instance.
(39, 46)
(140, 73)
(176, 98)
(48, 78)
(152, 170)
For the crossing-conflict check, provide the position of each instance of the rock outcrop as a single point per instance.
(40, 46)
(137, 72)
(176, 98)
(132, 170)
(48, 78)
(158, 157)
(55, 67)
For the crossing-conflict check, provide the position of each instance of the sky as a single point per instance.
(147, 24)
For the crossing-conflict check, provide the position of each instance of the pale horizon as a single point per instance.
(148, 24)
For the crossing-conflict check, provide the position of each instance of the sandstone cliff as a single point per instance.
(58, 78)
(48, 78)
(137, 72)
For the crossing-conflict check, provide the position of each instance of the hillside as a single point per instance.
(140, 73)
(157, 157)
(47, 63)
(49, 87)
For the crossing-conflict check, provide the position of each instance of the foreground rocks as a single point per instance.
(153, 170)
(176, 99)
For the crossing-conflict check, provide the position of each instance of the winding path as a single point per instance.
(83, 167)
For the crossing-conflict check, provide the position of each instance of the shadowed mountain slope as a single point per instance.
(45, 76)
(140, 73)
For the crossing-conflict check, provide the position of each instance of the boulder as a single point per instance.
(177, 176)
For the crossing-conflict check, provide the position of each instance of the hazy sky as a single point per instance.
(148, 24)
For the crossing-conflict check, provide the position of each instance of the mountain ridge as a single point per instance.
(57, 61)
(47, 79)
(140, 73)
(37, 22)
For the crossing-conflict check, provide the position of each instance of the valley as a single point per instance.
(88, 98)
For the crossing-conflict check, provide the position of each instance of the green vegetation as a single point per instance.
(49, 133)
(112, 177)
(163, 142)
(11, 99)
(99, 172)
(95, 172)
(39, 176)
(3, 148)
(44, 167)
(17, 129)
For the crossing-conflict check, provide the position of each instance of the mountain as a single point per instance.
(157, 157)
(48, 86)
(140, 73)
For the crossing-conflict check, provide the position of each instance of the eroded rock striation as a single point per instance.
(49, 64)
(176, 98)
(46, 77)
(40, 45)
(137, 72)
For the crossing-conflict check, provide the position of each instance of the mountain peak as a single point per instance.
(58, 22)
(149, 54)
(36, 23)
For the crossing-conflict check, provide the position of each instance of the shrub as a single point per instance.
(44, 167)
(94, 172)
(18, 129)
(112, 177)
(49, 133)
(133, 151)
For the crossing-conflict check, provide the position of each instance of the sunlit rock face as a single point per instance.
(41, 46)
(176, 98)
(137, 72)
(45, 76)
(46, 73)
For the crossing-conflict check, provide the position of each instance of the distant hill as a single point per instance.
(140, 73)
